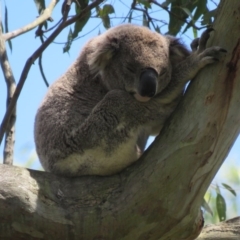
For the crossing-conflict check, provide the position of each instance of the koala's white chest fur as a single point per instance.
(99, 162)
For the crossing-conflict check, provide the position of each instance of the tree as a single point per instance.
(158, 197)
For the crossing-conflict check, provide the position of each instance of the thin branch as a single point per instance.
(77, 38)
(145, 11)
(39, 33)
(41, 67)
(51, 28)
(35, 55)
(42, 18)
(11, 86)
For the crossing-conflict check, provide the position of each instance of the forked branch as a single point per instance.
(11, 86)
(41, 19)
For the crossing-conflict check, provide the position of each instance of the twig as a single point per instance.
(42, 18)
(11, 86)
(81, 36)
(35, 55)
(39, 33)
(41, 67)
(146, 14)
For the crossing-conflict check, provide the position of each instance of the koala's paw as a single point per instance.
(206, 55)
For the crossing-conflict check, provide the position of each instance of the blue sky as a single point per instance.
(55, 63)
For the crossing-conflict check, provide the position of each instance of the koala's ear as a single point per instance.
(177, 50)
(104, 50)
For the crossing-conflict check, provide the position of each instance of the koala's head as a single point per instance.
(135, 59)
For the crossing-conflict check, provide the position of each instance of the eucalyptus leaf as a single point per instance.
(6, 26)
(230, 189)
(40, 4)
(145, 3)
(69, 42)
(206, 207)
(107, 9)
(221, 207)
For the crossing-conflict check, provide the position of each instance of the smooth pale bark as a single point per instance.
(158, 197)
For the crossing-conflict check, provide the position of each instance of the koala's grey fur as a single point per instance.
(94, 120)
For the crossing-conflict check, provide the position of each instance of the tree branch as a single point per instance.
(229, 229)
(11, 86)
(35, 55)
(42, 18)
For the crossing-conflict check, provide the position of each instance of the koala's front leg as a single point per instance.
(188, 68)
(105, 143)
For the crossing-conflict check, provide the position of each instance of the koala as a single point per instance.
(95, 119)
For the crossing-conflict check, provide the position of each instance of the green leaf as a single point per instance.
(107, 9)
(206, 207)
(104, 14)
(221, 207)
(201, 9)
(79, 24)
(207, 17)
(6, 20)
(106, 22)
(40, 4)
(230, 189)
(167, 2)
(178, 17)
(181, 10)
(195, 33)
(187, 12)
(6, 27)
(82, 3)
(145, 3)
(218, 190)
(69, 42)
(98, 10)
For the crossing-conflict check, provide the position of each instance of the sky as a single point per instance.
(55, 63)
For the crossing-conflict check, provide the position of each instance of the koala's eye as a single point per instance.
(163, 72)
(130, 69)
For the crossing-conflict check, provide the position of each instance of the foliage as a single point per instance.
(221, 201)
(183, 15)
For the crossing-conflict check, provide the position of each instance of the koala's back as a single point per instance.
(67, 104)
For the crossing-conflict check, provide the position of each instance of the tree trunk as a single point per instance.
(158, 197)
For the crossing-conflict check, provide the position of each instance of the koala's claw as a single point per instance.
(194, 44)
(199, 44)
(203, 39)
(212, 54)
(223, 50)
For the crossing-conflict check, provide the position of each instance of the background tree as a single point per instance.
(51, 194)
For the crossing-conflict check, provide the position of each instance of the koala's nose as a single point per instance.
(148, 83)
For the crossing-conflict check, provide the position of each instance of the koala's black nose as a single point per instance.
(148, 83)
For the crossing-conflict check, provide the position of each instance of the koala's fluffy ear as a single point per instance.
(104, 50)
(177, 50)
